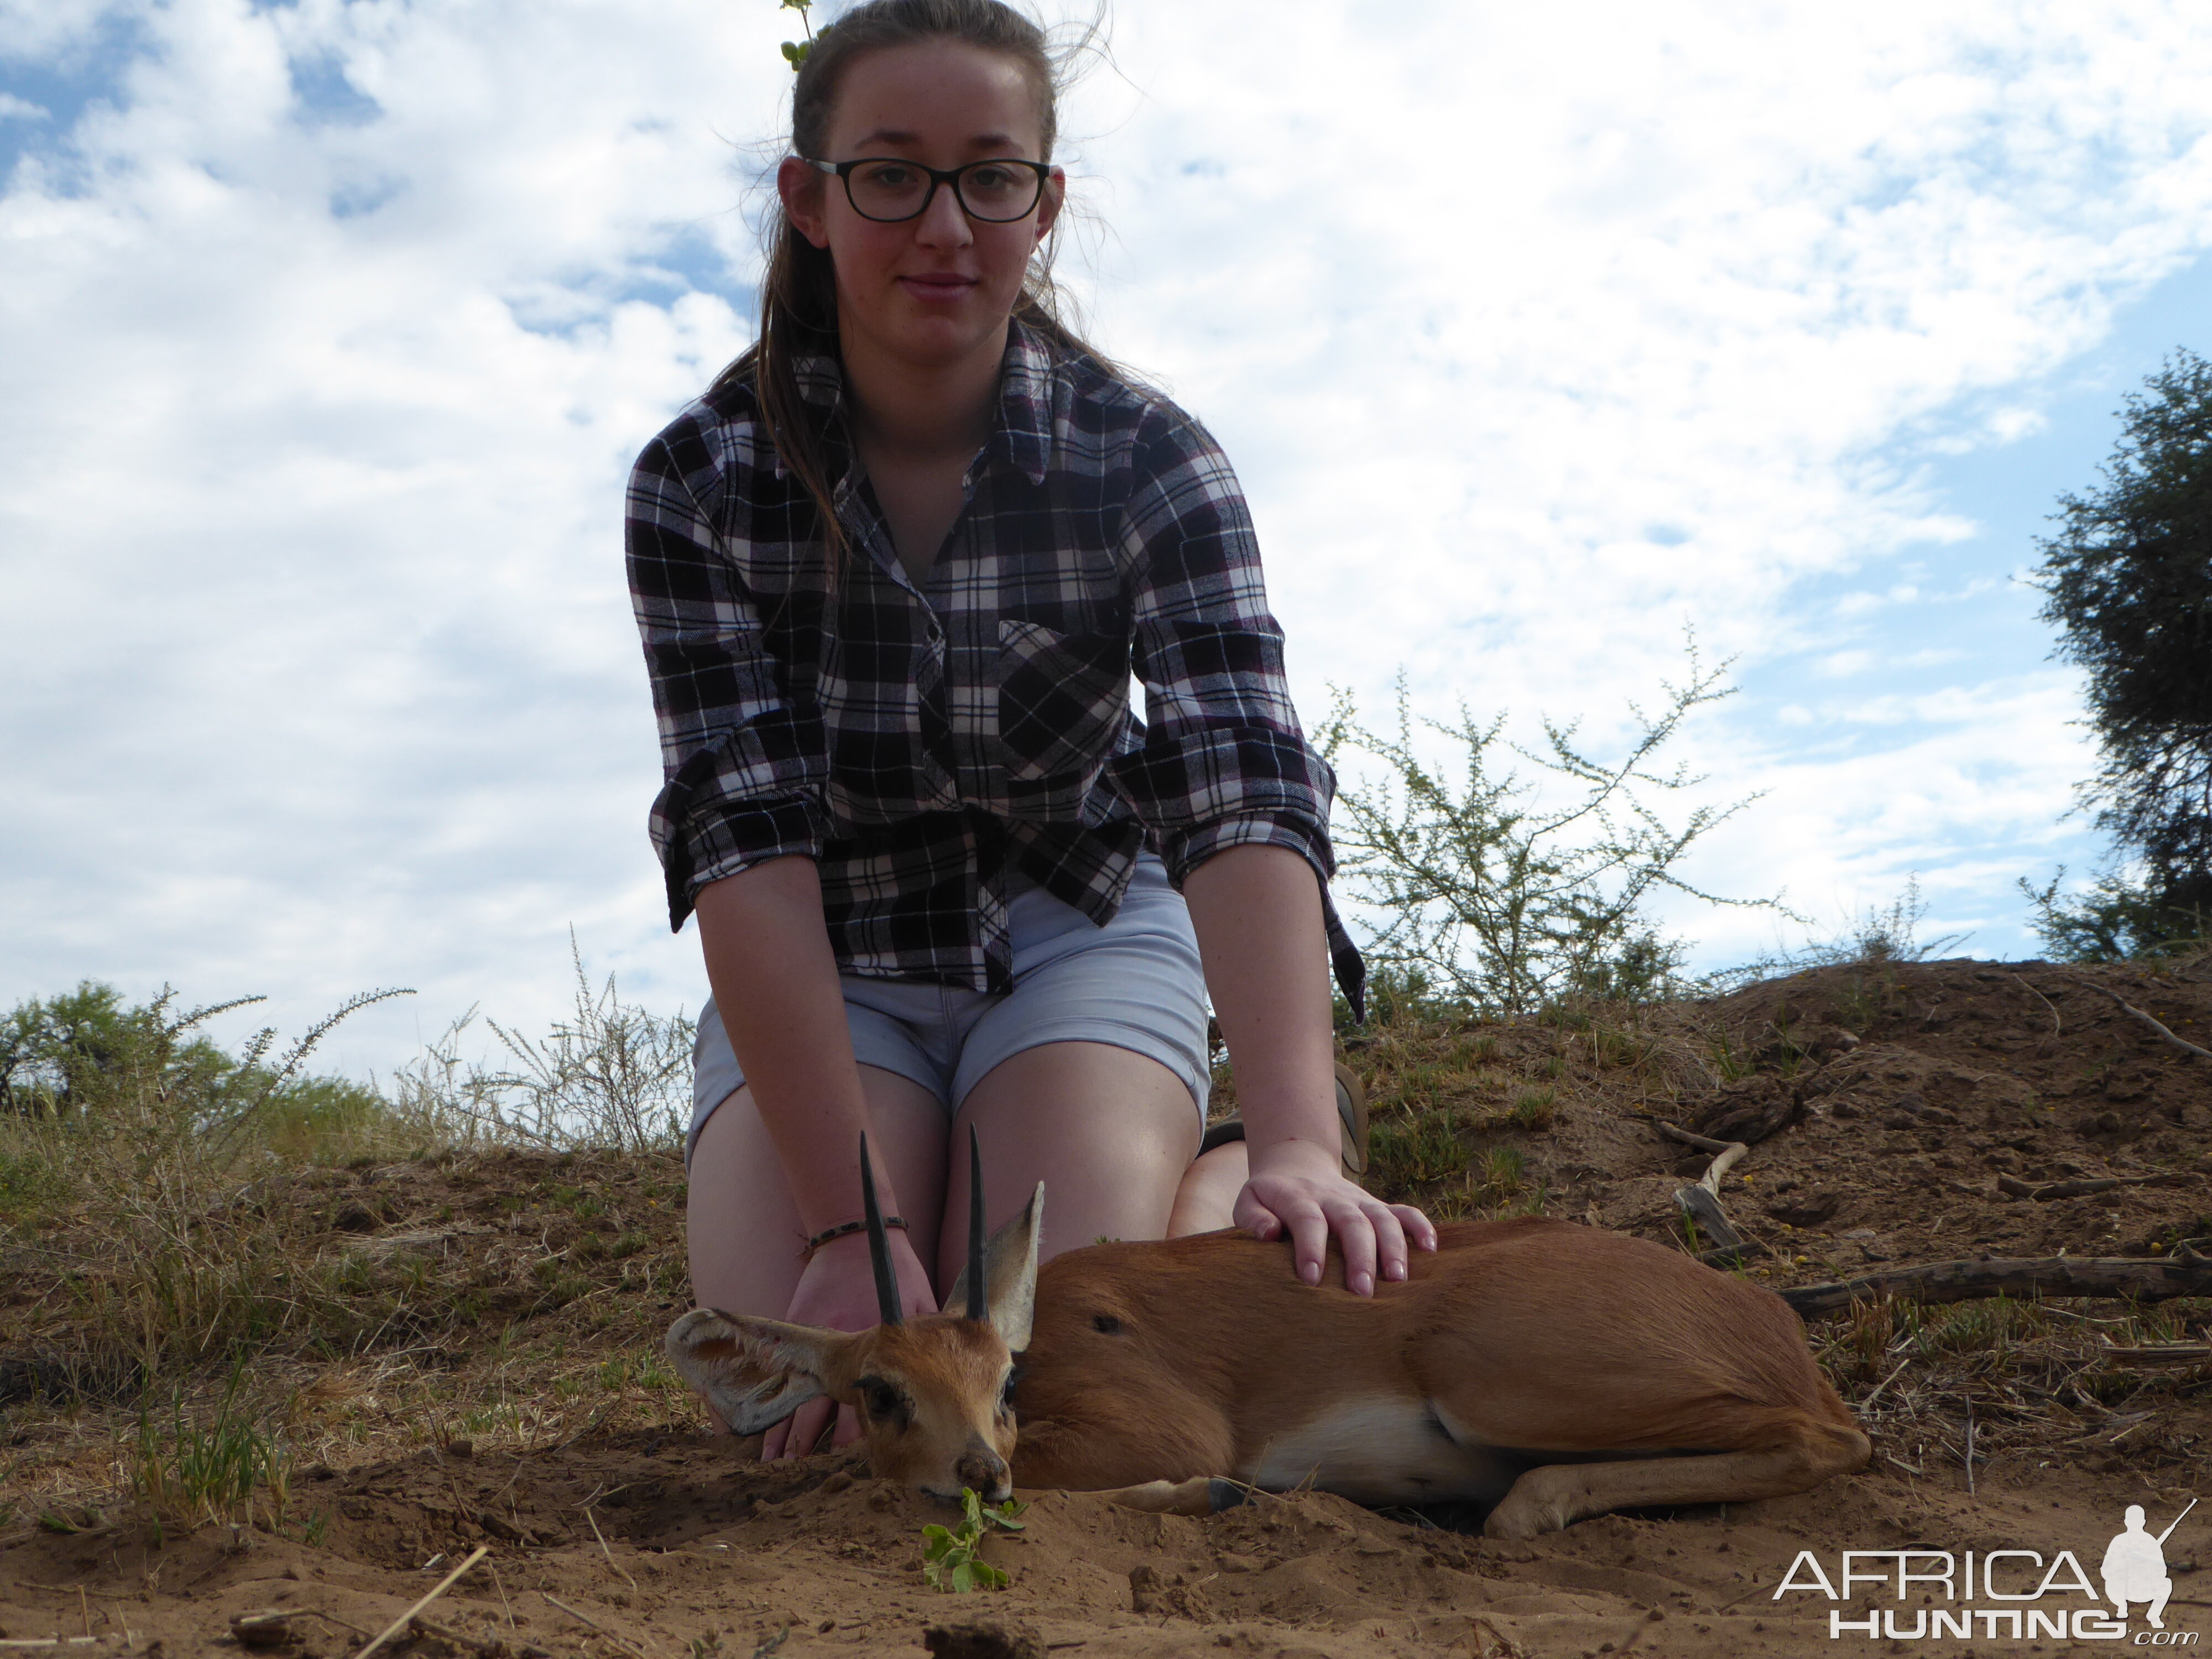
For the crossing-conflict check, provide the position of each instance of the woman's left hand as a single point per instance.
(1299, 1187)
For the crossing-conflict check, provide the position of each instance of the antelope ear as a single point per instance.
(1010, 1271)
(756, 1371)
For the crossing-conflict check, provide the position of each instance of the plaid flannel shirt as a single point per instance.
(919, 741)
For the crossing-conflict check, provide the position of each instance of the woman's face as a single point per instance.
(930, 291)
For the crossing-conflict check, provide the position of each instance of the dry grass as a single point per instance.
(2031, 1378)
(251, 1270)
(509, 1298)
(1456, 1105)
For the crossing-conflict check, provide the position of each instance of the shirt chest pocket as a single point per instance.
(1062, 698)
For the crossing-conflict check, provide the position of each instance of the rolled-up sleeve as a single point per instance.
(744, 770)
(1223, 762)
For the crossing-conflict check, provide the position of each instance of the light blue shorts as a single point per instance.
(1134, 983)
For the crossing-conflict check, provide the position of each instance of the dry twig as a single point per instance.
(1702, 1202)
(2056, 1025)
(1730, 1152)
(2182, 1044)
(2156, 1280)
(1867, 1404)
(443, 1585)
(609, 1553)
(2044, 1191)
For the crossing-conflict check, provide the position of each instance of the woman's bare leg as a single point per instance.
(1108, 1131)
(1205, 1202)
(744, 1229)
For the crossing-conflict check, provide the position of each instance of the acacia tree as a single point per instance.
(1489, 899)
(2128, 581)
(48, 1050)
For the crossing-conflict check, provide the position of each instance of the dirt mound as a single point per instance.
(494, 1381)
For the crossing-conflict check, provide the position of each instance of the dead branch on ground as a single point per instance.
(2180, 1043)
(2044, 1191)
(1701, 1203)
(2155, 1279)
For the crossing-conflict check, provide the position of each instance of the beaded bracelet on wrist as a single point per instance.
(831, 1235)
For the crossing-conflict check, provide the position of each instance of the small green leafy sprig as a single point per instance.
(949, 1559)
(794, 51)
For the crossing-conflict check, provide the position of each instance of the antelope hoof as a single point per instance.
(1520, 1515)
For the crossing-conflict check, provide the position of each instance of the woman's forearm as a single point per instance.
(775, 987)
(1257, 913)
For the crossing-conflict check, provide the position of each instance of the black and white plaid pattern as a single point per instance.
(919, 742)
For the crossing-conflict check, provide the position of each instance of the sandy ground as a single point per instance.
(1887, 1142)
(705, 1553)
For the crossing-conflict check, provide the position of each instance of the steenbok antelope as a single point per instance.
(1551, 1370)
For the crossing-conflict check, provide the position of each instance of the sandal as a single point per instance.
(1351, 1108)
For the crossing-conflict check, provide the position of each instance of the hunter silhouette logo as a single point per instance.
(2134, 1567)
(2004, 1595)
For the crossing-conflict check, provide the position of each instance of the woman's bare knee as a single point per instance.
(1205, 1202)
(1108, 1130)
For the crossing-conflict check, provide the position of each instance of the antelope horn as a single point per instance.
(880, 1244)
(979, 1304)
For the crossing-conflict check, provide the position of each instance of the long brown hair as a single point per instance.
(799, 294)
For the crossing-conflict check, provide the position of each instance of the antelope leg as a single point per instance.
(1200, 1495)
(1552, 1496)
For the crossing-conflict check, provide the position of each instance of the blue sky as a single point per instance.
(1970, 617)
(329, 329)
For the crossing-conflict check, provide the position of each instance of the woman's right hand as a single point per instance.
(836, 1291)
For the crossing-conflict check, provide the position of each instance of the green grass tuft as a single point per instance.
(1414, 1151)
(190, 1472)
(1534, 1108)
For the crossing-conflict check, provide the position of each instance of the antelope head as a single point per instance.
(935, 1395)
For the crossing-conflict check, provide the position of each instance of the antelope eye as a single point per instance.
(1006, 1393)
(1105, 1324)
(882, 1399)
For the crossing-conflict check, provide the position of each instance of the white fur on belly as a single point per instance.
(1381, 1450)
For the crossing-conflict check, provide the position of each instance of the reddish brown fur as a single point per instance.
(951, 1369)
(1540, 1336)
(952, 1428)
(1533, 1366)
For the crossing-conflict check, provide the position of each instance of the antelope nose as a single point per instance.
(985, 1471)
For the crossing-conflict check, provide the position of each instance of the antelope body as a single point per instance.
(1551, 1370)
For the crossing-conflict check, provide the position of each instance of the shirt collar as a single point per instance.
(1023, 433)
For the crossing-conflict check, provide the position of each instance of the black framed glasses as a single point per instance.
(887, 190)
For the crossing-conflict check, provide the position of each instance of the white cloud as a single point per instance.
(1520, 312)
(316, 607)
(330, 330)
(1962, 790)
